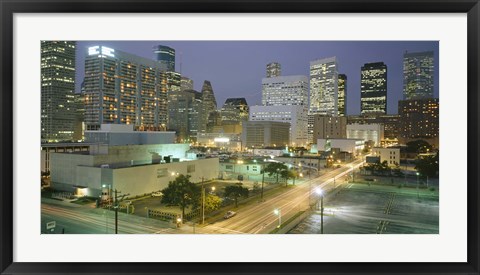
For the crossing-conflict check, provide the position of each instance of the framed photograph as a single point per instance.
(253, 137)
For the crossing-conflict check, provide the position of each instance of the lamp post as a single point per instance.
(263, 177)
(278, 212)
(418, 195)
(353, 174)
(320, 193)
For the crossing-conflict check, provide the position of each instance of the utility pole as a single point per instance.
(203, 202)
(116, 212)
(263, 180)
(321, 213)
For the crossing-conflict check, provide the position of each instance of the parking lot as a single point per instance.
(376, 209)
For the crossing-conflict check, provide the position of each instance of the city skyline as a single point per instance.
(237, 67)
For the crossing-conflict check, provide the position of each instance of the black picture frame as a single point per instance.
(9, 7)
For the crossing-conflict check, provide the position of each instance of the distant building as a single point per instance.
(391, 123)
(79, 117)
(329, 127)
(342, 95)
(226, 141)
(295, 115)
(186, 83)
(234, 111)
(324, 87)
(350, 145)
(390, 155)
(48, 148)
(285, 90)
(122, 88)
(366, 132)
(130, 169)
(185, 114)
(274, 69)
(165, 56)
(173, 81)
(58, 108)
(374, 88)
(418, 75)
(117, 134)
(419, 119)
(265, 133)
(209, 105)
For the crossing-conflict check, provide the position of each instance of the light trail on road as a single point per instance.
(259, 218)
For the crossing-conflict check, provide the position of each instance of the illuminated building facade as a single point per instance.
(419, 118)
(295, 115)
(122, 88)
(418, 75)
(366, 132)
(373, 88)
(58, 108)
(329, 127)
(234, 111)
(165, 56)
(324, 87)
(265, 133)
(274, 69)
(342, 95)
(391, 123)
(185, 113)
(209, 105)
(186, 83)
(285, 90)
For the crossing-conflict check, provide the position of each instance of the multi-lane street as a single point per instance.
(75, 219)
(260, 218)
(254, 218)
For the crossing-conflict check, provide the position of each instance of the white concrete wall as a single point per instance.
(391, 155)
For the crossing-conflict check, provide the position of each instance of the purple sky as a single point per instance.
(236, 68)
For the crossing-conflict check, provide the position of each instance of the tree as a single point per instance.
(418, 146)
(182, 192)
(235, 192)
(212, 202)
(288, 174)
(275, 168)
(428, 166)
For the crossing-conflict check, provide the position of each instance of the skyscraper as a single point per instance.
(186, 83)
(209, 105)
(122, 88)
(274, 69)
(174, 81)
(323, 91)
(419, 118)
(373, 94)
(185, 114)
(284, 99)
(342, 95)
(234, 111)
(285, 90)
(324, 87)
(165, 56)
(58, 109)
(418, 75)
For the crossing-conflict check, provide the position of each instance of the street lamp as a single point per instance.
(320, 193)
(278, 212)
(418, 174)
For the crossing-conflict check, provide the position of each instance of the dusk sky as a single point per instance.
(236, 68)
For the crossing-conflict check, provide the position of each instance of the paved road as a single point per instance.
(256, 218)
(260, 218)
(75, 219)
